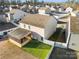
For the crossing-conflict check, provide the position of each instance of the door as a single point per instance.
(74, 42)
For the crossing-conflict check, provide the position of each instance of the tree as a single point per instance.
(18, 1)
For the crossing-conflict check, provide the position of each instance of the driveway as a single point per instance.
(59, 53)
(10, 51)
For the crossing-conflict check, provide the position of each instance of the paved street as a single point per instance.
(59, 53)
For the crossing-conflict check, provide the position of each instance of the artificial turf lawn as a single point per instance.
(37, 49)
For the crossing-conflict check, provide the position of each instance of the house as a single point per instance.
(18, 15)
(52, 8)
(20, 37)
(24, 8)
(47, 6)
(69, 9)
(15, 15)
(6, 27)
(5, 17)
(41, 26)
(61, 16)
(74, 33)
(44, 10)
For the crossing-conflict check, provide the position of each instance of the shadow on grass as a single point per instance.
(37, 45)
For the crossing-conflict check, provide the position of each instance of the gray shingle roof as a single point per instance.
(19, 33)
(6, 26)
(36, 20)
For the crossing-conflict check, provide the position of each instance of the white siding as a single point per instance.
(36, 31)
(21, 25)
(41, 11)
(67, 31)
(44, 11)
(61, 45)
(49, 42)
(50, 28)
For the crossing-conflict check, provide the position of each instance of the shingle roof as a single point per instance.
(43, 8)
(6, 26)
(19, 33)
(74, 24)
(36, 20)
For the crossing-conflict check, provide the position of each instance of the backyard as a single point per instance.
(37, 49)
(58, 36)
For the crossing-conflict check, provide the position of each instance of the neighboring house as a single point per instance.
(52, 8)
(16, 15)
(19, 15)
(44, 10)
(6, 27)
(47, 6)
(20, 37)
(24, 8)
(64, 17)
(74, 33)
(5, 17)
(60, 15)
(69, 9)
(61, 9)
(41, 26)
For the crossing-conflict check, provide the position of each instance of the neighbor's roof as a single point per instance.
(43, 8)
(6, 26)
(13, 11)
(36, 20)
(74, 24)
(19, 33)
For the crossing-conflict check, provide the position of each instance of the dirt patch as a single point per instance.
(10, 51)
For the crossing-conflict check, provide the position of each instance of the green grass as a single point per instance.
(37, 49)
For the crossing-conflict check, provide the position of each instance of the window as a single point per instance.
(41, 38)
(5, 33)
